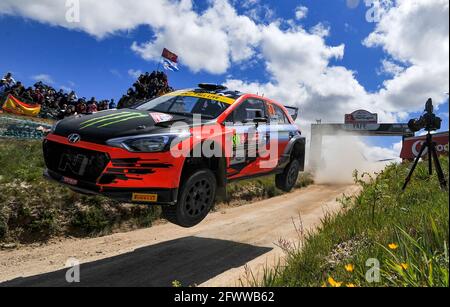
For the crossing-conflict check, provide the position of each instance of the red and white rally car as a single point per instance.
(179, 150)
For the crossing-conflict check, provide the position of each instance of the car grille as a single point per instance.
(73, 162)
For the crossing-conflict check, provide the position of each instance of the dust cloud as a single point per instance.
(341, 155)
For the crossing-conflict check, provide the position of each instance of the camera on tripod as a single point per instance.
(428, 121)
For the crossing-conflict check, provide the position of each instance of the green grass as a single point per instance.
(33, 209)
(407, 232)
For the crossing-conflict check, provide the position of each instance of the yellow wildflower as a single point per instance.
(393, 246)
(351, 285)
(334, 283)
(349, 267)
(404, 266)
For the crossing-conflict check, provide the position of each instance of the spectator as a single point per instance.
(81, 108)
(148, 86)
(112, 104)
(92, 107)
(58, 104)
(9, 80)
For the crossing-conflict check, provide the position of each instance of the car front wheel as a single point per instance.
(287, 180)
(195, 199)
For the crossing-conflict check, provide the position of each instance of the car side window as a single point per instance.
(277, 116)
(249, 110)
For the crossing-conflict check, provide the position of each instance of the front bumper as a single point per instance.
(113, 172)
(129, 195)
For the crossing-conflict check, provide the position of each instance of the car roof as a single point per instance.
(206, 88)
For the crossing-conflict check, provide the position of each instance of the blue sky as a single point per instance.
(99, 66)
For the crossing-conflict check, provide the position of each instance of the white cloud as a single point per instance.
(208, 41)
(390, 68)
(414, 34)
(44, 78)
(320, 30)
(301, 74)
(257, 11)
(301, 12)
(409, 32)
(133, 73)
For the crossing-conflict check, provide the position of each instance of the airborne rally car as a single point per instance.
(179, 150)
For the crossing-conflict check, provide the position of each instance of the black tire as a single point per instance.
(287, 180)
(195, 199)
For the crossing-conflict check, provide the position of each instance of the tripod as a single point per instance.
(432, 155)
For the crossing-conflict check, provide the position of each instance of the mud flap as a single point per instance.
(221, 176)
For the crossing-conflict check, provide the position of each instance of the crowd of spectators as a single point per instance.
(147, 86)
(58, 104)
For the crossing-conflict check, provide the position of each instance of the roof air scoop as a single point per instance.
(212, 87)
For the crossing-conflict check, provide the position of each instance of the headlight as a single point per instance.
(148, 143)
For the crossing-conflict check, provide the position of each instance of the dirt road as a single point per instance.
(214, 253)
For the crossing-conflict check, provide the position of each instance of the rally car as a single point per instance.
(179, 150)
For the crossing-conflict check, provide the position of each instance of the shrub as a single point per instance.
(91, 219)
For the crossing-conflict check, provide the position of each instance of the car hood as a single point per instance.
(105, 125)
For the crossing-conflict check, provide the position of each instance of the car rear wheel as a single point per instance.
(195, 199)
(287, 180)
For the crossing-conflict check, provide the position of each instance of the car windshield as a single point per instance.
(187, 105)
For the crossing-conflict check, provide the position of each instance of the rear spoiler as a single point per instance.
(293, 112)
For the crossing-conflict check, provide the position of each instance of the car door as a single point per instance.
(247, 138)
(281, 132)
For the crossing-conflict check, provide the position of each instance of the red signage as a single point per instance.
(361, 117)
(412, 146)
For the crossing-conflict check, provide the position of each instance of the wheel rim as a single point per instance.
(198, 198)
(292, 176)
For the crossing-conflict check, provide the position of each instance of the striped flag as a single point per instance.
(170, 60)
(169, 65)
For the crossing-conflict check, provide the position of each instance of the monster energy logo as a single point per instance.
(111, 119)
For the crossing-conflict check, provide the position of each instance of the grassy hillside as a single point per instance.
(406, 232)
(33, 209)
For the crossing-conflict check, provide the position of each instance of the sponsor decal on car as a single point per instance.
(161, 117)
(209, 96)
(147, 198)
(111, 119)
(70, 181)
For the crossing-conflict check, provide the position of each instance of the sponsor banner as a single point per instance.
(15, 106)
(361, 117)
(412, 146)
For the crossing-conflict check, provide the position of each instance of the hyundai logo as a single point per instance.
(74, 138)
